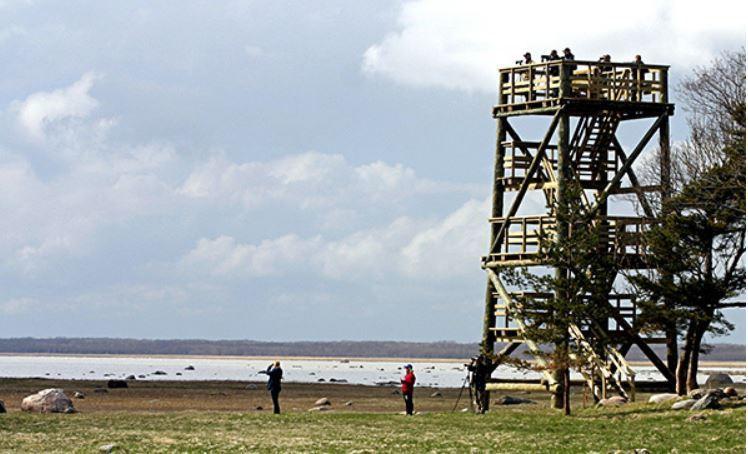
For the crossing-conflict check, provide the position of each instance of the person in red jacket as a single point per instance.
(408, 383)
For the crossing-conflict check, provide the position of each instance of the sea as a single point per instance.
(439, 374)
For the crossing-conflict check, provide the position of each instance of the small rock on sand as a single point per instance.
(141, 376)
(258, 408)
(320, 408)
(159, 372)
(349, 403)
(661, 398)
(130, 377)
(108, 448)
(683, 404)
(436, 394)
(614, 401)
(190, 367)
(322, 401)
(79, 395)
(509, 400)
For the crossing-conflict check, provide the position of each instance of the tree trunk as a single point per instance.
(693, 365)
(681, 372)
(567, 391)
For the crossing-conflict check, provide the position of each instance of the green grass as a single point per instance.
(504, 430)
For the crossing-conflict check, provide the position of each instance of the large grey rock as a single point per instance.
(509, 400)
(614, 401)
(684, 404)
(114, 384)
(322, 402)
(718, 380)
(709, 401)
(50, 400)
(661, 398)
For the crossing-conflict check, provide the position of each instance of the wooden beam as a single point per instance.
(637, 189)
(627, 164)
(534, 165)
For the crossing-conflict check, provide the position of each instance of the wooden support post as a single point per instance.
(497, 209)
(563, 174)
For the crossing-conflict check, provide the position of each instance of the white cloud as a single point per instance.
(41, 109)
(405, 248)
(311, 180)
(17, 306)
(458, 45)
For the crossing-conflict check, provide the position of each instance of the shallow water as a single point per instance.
(437, 374)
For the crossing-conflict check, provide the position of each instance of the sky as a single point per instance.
(277, 170)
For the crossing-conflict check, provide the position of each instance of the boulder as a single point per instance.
(190, 367)
(130, 377)
(614, 401)
(114, 384)
(2, 407)
(159, 372)
(179, 373)
(709, 401)
(322, 401)
(436, 394)
(321, 380)
(79, 395)
(320, 408)
(661, 398)
(696, 393)
(50, 400)
(718, 380)
(685, 404)
(730, 392)
(509, 400)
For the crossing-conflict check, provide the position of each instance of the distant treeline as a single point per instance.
(362, 349)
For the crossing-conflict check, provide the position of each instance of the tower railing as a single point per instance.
(538, 83)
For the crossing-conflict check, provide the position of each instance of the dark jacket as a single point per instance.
(275, 375)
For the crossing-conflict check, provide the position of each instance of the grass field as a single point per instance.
(365, 427)
(508, 430)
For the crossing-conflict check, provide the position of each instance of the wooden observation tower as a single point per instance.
(582, 105)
